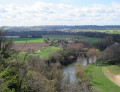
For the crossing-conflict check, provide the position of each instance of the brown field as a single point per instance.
(24, 47)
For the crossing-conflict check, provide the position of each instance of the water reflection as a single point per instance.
(86, 61)
(70, 70)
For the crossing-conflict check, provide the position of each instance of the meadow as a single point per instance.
(102, 31)
(99, 81)
(47, 51)
(44, 52)
(23, 40)
(81, 38)
(108, 31)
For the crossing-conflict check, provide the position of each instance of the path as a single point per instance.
(112, 77)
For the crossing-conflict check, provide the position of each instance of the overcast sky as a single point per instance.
(59, 12)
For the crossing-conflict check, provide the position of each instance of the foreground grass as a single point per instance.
(44, 52)
(99, 81)
(114, 69)
(81, 38)
(21, 40)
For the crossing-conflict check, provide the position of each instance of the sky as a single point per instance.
(59, 12)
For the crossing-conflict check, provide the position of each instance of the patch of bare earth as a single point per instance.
(112, 77)
(24, 47)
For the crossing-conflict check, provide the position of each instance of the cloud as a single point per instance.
(41, 13)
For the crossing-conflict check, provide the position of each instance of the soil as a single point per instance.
(24, 47)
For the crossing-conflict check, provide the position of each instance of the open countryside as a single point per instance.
(59, 46)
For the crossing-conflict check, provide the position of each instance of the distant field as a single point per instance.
(60, 36)
(82, 38)
(109, 31)
(103, 31)
(99, 81)
(23, 40)
(23, 47)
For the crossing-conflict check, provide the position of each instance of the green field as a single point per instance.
(99, 81)
(44, 52)
(114, 69)
(21, 40)
(103, 31)
(109, 31)
(82, 38)
(47, 51)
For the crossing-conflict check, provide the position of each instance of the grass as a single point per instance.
(60, 36)
(114, 69)
(99, 81)
(109, 31)
(22, 40)
(103, 31)
(47, 51)
(90, 39)
(82, 38)
(44, 52)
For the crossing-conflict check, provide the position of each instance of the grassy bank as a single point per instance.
(99, 81)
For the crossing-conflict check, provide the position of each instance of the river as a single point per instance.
(70, 70)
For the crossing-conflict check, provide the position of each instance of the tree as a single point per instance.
(110, 55)
(43, 78)
(103, 44)
(7, 72)
(11, 75)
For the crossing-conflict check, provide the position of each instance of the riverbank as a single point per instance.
(98, 81)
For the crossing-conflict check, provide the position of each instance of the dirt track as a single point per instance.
(23, 47)
(112, 77)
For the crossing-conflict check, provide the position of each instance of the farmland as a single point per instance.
(23, 47)
(81, 38)
(102, 31)
(44, 52)
(47, 51)
(25, 44)
(23, 40)
(109, 31)
(30, 40)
